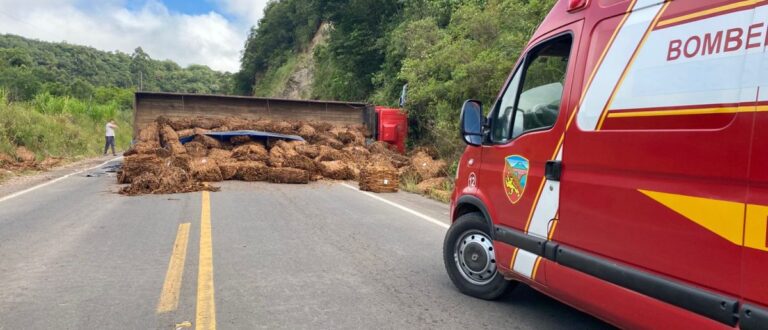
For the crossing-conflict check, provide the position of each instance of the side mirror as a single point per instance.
(471, 122)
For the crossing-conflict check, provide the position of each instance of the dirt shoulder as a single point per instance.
(12, 182)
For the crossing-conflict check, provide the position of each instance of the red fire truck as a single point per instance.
(621, 168)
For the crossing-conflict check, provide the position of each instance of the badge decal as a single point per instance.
(515, 177)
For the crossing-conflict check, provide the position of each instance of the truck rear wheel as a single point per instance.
(470, 260)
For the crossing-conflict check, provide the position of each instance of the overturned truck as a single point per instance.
(184, 141)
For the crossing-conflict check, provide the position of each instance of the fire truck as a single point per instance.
(622, 167)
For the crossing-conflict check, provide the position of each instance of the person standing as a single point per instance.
(110, 137)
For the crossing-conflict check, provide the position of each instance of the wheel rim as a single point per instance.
(475, 257)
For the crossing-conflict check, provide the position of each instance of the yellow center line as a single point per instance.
(205, 318)
(169, 297)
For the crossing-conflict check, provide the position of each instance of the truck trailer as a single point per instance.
(385, 124)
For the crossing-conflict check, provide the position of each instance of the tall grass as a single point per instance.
(60, 126)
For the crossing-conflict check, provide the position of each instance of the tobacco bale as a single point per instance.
(223, 128)
(408, 173)
(379, 178)
(336, 170)
(207, 141)
(276, 156)
(205, 170)
(236, 123)
(252, 171)
(196, 149)
(228, 169)
(308, 150)
(142, 148)
(429, 150)
(135, 165)
(171, 140)
(306, 131)
(206, 122)
(426, 166)
(250, 151)
(329, 154)
(144, 183)
(432, 184)
(183, 161)
(346, 137)
(185, 132)
(241, 139)
(327, 140)
(321, 127)
(220, 154)
(380, 147)
(178, 124)
(261, 125)
(300, 162)
(358, 153)
(24, 155)
(282, 127)
(287, 175)
(150, 133)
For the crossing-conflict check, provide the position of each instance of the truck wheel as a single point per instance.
(470, 260)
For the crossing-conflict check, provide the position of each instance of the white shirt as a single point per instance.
(110, 129)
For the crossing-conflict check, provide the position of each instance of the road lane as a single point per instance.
(326, 256)
(75, 255)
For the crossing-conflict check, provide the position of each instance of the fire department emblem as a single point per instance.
(515, 177)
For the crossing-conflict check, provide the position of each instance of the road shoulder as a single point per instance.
(22, 182)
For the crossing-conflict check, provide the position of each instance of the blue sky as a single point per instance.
(208, 32)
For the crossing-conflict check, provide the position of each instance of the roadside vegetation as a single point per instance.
(447, 51)
(63, 126)
(55, 98)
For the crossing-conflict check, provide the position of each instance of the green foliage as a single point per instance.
(445, 50)
(286, 28)
(60, 125)
(29, 67)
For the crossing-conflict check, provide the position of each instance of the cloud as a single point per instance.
(209, 39)
(248, 11)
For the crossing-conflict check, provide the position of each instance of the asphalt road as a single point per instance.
(76, 255)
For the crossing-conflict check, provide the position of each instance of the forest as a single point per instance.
(447, 51)
(56, 97)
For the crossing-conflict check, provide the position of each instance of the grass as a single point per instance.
(410, 182)
(274, 81)
(56, 126)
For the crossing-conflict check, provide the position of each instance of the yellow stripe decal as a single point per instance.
(724, 218)
(514, 256)
(710, 11)
(169, 297)
(687, 112)
(535, 268)
(755, 228)
(205, 318)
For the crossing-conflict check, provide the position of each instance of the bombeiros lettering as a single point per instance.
(723, 41)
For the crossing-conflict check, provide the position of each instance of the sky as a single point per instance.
(208, 32)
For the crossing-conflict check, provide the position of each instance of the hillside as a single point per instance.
(445, 50)
(294, 78)
(29, 67)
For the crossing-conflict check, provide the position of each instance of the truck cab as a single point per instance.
(620, 169)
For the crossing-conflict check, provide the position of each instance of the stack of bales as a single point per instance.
(328, 152)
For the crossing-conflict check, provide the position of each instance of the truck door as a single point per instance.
(526, 125)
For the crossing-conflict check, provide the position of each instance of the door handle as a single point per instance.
(553, 169)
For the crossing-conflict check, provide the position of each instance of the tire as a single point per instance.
(470, 261)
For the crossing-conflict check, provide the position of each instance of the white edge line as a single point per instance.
(416, 213)
(19, 193)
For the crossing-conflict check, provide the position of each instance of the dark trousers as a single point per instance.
(109, 143)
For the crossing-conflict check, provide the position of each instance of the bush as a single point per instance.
(60, 126)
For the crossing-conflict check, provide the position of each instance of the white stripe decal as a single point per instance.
(524, 263)
(616, 59)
